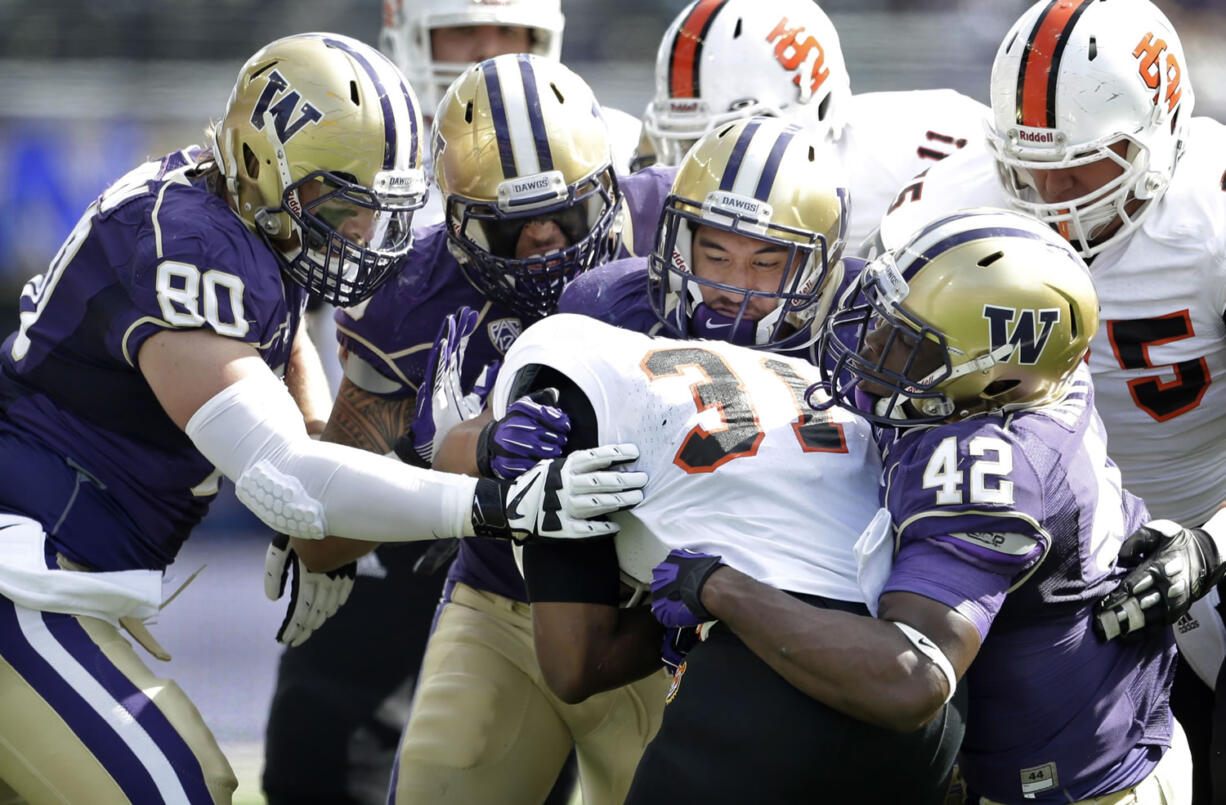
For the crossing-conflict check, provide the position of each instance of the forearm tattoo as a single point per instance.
(361, 419)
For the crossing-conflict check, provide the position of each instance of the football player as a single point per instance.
(523, 163)
(435, 41)
(723, 60)
(1093, 133)
(146, 369)
(747, 251)
(965, 347)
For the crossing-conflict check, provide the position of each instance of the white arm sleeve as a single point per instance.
(253, 432)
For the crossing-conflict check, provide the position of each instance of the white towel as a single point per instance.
(875, 557)
(26, 580)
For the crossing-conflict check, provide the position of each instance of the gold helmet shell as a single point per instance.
(983, 311)
(769, 180)
(320, 149)
(520, 138)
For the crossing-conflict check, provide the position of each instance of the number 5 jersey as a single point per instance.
(1160, 351)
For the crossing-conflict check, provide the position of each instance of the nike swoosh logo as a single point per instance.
(513, 504)
(711, 325)
(926, 643)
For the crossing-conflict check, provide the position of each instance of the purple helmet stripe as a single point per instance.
(767, 180)
(543, 155)
(114, 755)
(964, 237)
(738, 154)
(385, 103)
(502, 131)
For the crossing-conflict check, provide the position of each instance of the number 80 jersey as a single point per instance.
(157, 251)
(738, 464)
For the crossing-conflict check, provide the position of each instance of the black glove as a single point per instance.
(563, 498)
(1172, 566)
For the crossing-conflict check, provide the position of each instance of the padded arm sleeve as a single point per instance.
(253, 432)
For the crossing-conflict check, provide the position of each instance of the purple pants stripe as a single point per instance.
(116, 753)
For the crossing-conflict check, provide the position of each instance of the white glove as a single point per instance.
(560, 498)
(314, 597)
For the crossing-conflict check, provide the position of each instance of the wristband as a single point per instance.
(929, 649)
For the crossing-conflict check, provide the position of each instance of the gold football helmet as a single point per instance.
(771, 181)
(520, 139)
(321, 152)
(984, 311)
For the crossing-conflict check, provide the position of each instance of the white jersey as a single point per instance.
(1159, 357)
(892, 136)
(738, 464)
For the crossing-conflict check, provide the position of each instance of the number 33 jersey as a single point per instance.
(86, 447)
(738, 464)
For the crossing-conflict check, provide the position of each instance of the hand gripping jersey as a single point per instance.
(1015, 522)
(892, 136)
(85, 447)
(389, 336)
(1161, 344)
(738, 463)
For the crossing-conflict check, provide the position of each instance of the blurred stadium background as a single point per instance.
(88, 89)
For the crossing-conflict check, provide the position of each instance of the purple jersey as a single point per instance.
(85, 447)
(1015, 521)
(393, 332)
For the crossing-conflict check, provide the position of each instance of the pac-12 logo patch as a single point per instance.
(503, 333)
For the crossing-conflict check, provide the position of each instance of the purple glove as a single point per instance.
(676, 584)
(532, 430)
(677, 643)
(441, 401)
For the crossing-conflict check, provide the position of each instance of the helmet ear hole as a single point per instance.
(557, 92)
(353, 93)
(251, 163)
(999, 387)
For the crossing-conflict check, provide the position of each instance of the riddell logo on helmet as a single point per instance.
(1037, 136)
(683, 107)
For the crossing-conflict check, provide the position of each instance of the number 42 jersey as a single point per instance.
(1015, 522)
(738, 464)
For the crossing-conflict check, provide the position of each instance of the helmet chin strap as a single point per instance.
(707, 323)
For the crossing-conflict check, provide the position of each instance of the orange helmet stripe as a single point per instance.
(1036, 84)
(687, 49)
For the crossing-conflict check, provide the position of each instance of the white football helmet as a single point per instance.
(405, 36)
(724, 60)
(1071, 79)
